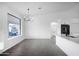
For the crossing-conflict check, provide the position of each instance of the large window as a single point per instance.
(14, 25)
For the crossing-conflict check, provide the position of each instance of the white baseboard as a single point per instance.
(38, 38)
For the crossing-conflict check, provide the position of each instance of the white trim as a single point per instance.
(38, 38)
(14, 37)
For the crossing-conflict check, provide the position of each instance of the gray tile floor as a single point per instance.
(35, 47)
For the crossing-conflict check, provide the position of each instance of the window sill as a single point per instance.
(14, 37)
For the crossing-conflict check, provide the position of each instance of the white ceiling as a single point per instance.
(45, 6)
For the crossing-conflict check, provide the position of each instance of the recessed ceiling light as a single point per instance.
(39, 8)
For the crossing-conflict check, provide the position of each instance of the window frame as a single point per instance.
(19, 25)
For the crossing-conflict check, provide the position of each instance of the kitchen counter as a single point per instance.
(70, 47)
(72, 38)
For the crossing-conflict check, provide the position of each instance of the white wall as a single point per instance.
(37, 28)
(4, 28)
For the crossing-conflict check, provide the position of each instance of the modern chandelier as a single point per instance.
(28, 16)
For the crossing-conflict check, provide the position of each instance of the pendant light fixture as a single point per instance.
(28, 16)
